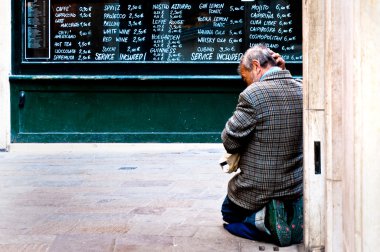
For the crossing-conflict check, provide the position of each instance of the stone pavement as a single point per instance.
(116, 197)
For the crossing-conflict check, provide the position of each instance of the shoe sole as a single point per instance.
(277, 223)
(296, 224)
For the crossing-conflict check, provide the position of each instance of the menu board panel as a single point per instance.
(177, 31)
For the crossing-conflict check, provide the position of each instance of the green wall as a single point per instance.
(121, 109)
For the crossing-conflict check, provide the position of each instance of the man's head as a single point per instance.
(254, 63)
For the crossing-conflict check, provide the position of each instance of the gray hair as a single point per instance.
(258, 52)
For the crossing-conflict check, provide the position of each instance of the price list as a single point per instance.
(167, 25)
(219, 35)
(170, 31)
(73, 32)
(276, 24)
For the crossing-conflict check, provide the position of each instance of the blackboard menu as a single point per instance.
(136, 31)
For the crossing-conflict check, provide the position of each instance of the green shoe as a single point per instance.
(296, 223)
(276, 221)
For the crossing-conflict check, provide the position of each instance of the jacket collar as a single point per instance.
(273, 75)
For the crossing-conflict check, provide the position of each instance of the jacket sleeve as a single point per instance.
(239, 127)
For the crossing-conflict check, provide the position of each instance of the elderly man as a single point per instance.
(264, 199)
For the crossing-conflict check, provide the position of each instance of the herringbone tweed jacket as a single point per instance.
(266, 129)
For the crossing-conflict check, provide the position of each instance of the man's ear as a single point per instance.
(256, 64)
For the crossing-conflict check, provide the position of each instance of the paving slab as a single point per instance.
(116, 197)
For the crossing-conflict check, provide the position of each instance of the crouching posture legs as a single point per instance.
(279, 222)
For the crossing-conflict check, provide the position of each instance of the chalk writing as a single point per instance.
(169, 31)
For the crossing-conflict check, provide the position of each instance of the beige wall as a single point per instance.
(342, 100)
(367, 125)
(5, 63)
(314, 126)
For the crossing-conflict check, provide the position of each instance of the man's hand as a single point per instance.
(280, 62)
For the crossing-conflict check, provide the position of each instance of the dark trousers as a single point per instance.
(241, 221)
(233, 213)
